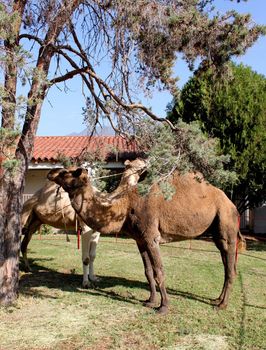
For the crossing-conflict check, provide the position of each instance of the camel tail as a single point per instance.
(240, 247)
(241, 243)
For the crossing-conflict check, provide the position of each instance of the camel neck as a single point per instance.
(96, 208)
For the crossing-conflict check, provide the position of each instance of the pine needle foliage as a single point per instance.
(185, 149)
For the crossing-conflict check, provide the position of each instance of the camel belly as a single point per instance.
(57, 217)
(182, 225)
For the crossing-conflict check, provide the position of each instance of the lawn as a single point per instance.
(54, 312)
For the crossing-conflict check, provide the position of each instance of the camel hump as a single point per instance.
(39, 199)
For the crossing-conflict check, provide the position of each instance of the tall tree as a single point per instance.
(69, 38)
(233, 110)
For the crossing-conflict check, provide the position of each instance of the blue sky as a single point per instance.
(62, 112)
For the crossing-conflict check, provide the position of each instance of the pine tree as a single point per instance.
(234, 111)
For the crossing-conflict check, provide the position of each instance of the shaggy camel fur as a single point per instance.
(196, 207)
(51, 205)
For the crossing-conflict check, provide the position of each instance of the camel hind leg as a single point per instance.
(226, 242)
(28, 231)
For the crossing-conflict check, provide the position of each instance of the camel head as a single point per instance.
(69, 179)
(133, 170)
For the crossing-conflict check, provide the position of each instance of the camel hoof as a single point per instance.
(221, 306)
(95, 279)
(148, 303)
(215, 302)
(86, 285)
(27, 268)
(162, 310)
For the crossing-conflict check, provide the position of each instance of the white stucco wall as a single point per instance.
(35, 179)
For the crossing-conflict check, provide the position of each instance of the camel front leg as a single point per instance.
(92, 253)
(149, 275)
(153, 251)
(89, 241)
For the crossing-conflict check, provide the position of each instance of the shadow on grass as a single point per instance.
(255, 246)
(256, 306)
(259, 246)
(71, 282)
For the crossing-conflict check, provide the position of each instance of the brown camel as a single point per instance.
(195, 208)
(51, 205)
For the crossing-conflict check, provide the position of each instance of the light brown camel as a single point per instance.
(195, 208)
(51, 205)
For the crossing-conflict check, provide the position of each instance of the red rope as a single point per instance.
(237, 240)
(78, 237)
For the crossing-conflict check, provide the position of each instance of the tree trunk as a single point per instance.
(10, 205)
(12, 185)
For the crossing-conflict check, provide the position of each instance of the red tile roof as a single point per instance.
(50, 148)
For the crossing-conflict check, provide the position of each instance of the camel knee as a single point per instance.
(86, 261)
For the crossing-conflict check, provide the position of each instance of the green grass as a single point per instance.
(54, 312)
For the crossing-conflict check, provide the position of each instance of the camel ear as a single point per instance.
(53, 174)
(77, 172)
(127, 162)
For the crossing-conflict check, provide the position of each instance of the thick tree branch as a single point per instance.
(68, 75)
(31, 37)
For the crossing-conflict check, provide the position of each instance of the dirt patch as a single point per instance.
(201, 342)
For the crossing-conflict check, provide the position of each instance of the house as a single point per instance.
(51, 151)
(254, 220)
(258, 220)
